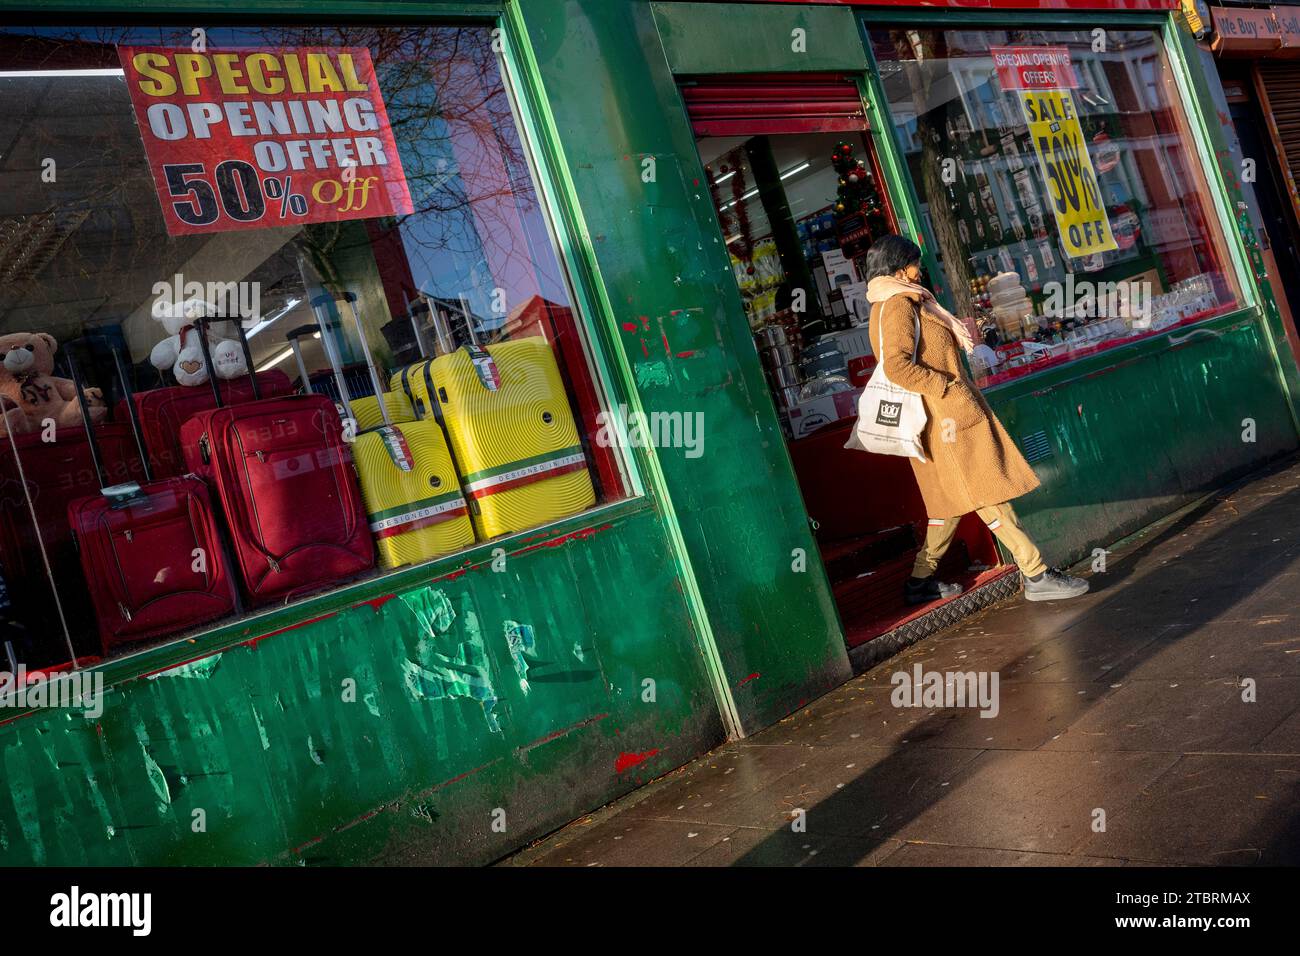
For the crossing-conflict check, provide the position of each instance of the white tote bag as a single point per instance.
(891, 419)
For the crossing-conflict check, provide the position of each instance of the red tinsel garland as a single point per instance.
(744, 245)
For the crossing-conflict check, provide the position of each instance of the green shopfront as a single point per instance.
(643, 218)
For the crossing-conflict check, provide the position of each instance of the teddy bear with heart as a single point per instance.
(182, 353)
(30, 394)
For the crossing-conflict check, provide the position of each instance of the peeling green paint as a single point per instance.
(523, 644)
(438, 675)
(201, 669)
(653, 375)
(431, 608)
(157, 779)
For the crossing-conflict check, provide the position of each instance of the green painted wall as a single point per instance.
(1136, 440)
(256, 731)
(757, 38)
(253, 724)
(660, 265)
(261, 738)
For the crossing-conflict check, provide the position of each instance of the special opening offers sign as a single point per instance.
(1041, 79)
(257, 137)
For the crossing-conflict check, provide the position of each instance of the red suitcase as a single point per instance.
(38, 480)
(284, 476)
(162, 411)
(53, 474)
(151, 552)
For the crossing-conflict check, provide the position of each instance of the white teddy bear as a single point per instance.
(181, 351)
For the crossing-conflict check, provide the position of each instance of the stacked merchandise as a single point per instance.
(151, 551)
(510, 431)
(758, 279)
(414, 504)
(281, 468)
(1010, 305)
(779, 351)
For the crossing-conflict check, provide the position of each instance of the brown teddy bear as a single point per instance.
(29, 393)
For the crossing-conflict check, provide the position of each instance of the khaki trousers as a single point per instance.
(1002, 521)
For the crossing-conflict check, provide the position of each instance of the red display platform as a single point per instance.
(870, 522)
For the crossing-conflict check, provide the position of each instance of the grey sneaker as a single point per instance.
(1054, 585)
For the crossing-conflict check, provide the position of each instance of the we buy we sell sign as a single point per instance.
(256, 138)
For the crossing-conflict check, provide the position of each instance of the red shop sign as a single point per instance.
(1244, 31)
(257, 138)
(1288, 27)
(1034, 68)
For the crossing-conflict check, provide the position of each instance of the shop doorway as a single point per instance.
(797, 188)
(1279, 237)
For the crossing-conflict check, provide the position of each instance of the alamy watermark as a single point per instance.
(70, 690)
(222, 300)
(1086, 299)
(934, 689)
(623, 428)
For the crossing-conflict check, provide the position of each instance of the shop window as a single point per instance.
(166, 193)
(1062, 194)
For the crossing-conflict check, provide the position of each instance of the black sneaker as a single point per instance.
(924, 590)
(1054, 585)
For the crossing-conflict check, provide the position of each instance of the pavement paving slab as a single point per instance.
(1155, 721)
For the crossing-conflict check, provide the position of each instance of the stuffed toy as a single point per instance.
(29, 393)
(181, 351)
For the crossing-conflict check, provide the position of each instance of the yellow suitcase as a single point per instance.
(412, 382)
(408, 479)
(412, 494)
(513, 436)
(366, 410)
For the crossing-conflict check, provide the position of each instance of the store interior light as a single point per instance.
(754, 192)
(289, 307)
(277, 359)
(48, 74)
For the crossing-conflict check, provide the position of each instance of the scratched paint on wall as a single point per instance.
(462, 670)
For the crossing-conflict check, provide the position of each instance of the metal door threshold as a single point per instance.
(942, 616)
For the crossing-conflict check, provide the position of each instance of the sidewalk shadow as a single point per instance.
(1225, 550)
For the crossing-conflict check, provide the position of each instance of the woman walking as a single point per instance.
(971, 462)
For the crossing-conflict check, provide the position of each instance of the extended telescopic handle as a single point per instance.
(319, 307)
(201, 323)
(351, 298)
(414, 310)
(295, 336)
(469, 320)
(96, 458)
(133, 414)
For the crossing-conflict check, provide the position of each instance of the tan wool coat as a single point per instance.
(979, 465)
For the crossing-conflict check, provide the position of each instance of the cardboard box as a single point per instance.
(807, 417)
(839, 270)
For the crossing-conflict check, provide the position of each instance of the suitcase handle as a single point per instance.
(133, 413)
(294, 336)
(318, 305)
(202, 324)
(418, 306)
(444, 343)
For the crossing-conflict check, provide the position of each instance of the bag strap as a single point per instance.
(916, 341)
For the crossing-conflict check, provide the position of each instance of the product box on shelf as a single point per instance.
(807, 417)
(839, 269)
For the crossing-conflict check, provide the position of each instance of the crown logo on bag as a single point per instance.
(889, 413)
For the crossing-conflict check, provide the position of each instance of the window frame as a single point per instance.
(592, 321)
(1165, 26)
